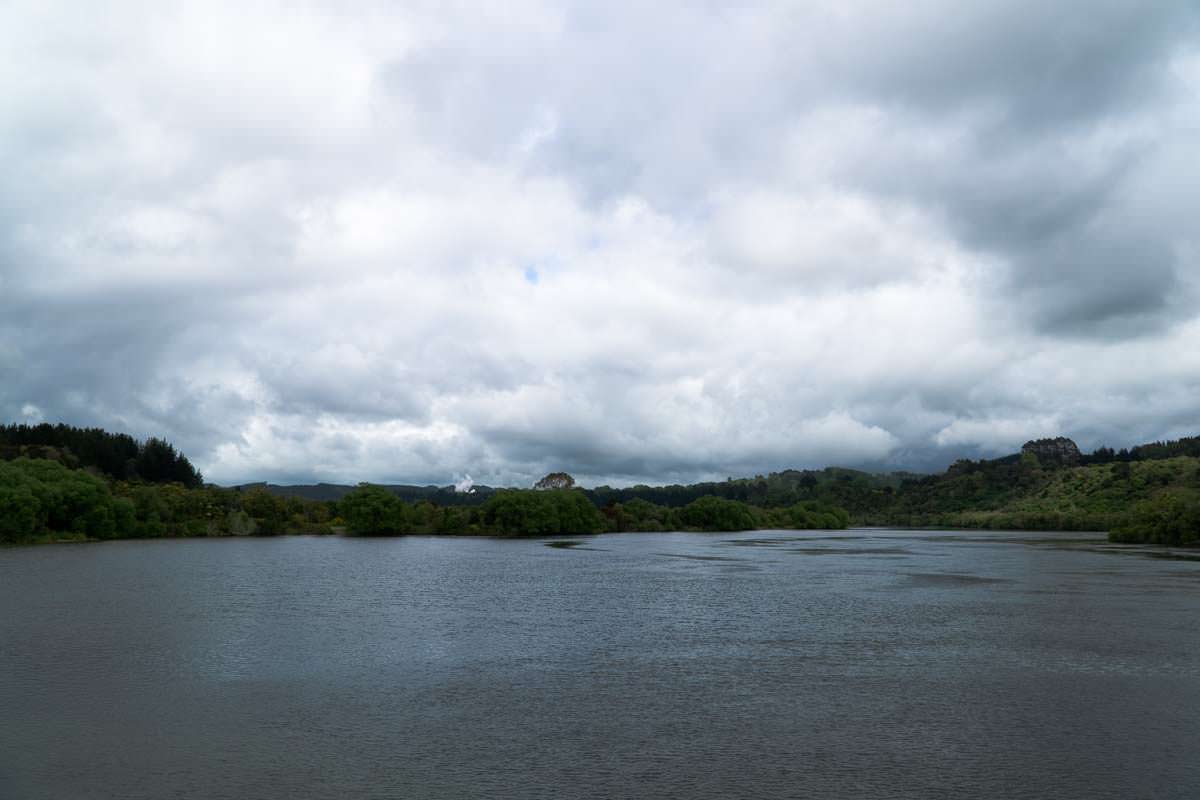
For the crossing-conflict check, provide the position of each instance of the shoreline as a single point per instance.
(70, 540)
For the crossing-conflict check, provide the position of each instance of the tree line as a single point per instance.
(43, 500)
(374, 510)
(100, 485)
(1152, 451)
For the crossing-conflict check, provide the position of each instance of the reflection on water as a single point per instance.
(564, 544)
(950, 579)
(861, 663)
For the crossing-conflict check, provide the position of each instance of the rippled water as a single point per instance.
(765, 664)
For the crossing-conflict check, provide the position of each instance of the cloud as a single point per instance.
(637, 244)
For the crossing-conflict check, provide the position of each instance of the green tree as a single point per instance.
(19, 512)
(526, 512)
(717, 514)
(269, 512)
(371, 510)
(64, 500)
(1169, 519)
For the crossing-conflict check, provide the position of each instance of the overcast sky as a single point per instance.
(632, 241)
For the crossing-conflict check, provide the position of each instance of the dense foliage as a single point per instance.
(833, 485)
(117, 455)
(43, 500)
(541, 512)
(373, 510)
(1153, 451)
(97, 485)
(718, 514)
(1022, 494)
(1172, 518)
(38, 495)
(1013, 492)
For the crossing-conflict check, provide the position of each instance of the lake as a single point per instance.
(767, 664)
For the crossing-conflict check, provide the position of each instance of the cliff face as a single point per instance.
(1059, 451)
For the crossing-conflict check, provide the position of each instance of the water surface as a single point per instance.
(767, 664)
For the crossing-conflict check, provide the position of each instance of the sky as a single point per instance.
(659, 242)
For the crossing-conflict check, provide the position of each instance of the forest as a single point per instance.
(64, 483)
(117, 455)
(59, 483)
(44, 500)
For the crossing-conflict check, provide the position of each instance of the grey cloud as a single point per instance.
(1061, 214)
(307, 385)
(766, 237)
(1044, 65)
(1032, 99)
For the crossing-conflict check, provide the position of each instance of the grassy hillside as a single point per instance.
(1022, 494)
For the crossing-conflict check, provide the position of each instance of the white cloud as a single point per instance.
(294, 239)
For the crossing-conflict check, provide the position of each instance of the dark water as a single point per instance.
(856, 664)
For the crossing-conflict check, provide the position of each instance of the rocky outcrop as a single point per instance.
(1059, 451)
(555, 480)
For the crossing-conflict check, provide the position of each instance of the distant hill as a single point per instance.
(439, 495)
(1050, 484)
(832, 485)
